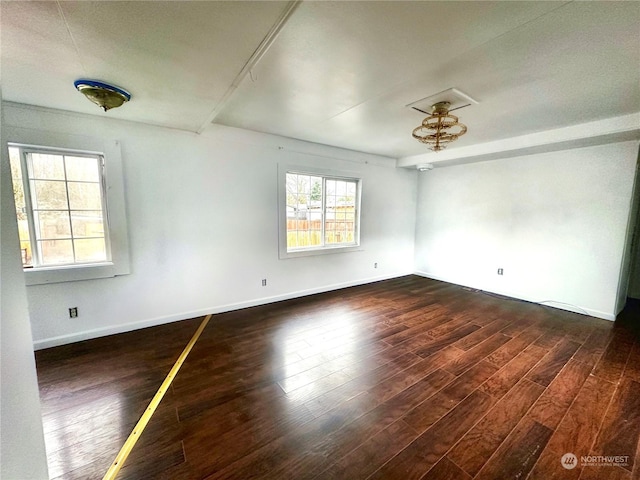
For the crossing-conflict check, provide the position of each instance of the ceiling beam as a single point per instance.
(252, 62)
(599, 132)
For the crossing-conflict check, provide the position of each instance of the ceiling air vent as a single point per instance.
(455, 97)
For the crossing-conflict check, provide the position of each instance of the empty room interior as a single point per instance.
(320, 240)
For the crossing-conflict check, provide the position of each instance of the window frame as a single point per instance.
(327, 174)
(27, 172)
(114, 212)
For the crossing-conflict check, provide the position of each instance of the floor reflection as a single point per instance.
(317, 351)
(91, 430)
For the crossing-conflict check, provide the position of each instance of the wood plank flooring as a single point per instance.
(408, 378)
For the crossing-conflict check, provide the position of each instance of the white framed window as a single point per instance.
(70, 210)
(60, 205)
(319, 212)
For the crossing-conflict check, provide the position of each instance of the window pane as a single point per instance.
(25, 252)
(87, 223)
(330, 223)
(48, 195)
(292, 239)
(330, 214)
(90, 250)
(315, 220)
(21, 208)
(293, 201)
(65, 195)
(316, 191)
(84, 196)
(303, 239)
(310, 211)
(53, 224)
(56, 252)
(46, 166)
(316, 238)
(82, 168)
(340, 212)
(304, 184)
(292, 189)
(300, 190)
(331, 187)
(303, 211)
(16, 178)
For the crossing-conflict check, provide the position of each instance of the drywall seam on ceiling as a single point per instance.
(252, 62)
(73, 40)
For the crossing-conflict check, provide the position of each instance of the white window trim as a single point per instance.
(283, 169)
(116, 211)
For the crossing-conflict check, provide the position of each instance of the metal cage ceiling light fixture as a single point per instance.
(104, 95)
(440, 128)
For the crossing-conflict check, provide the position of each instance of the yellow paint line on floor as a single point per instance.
(153, 405)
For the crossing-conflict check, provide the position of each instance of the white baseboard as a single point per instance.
(559, 305)
(152, 322)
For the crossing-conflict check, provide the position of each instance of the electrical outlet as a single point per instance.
(500, 271)
(375, 265)
(73, 312)
(264, 282)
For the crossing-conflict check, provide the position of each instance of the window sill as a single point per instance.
(319, 251)
(72, 273)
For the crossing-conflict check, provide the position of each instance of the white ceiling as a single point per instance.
(337, 72)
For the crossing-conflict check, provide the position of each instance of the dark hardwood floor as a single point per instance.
(403, 379)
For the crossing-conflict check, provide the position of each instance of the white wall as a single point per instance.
(555, 222)
(202, 214)
(634, 247)
(22, 451)
(634, 276)
(627, 259)
(202, 217)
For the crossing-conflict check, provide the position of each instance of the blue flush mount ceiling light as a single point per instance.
(104, 95)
